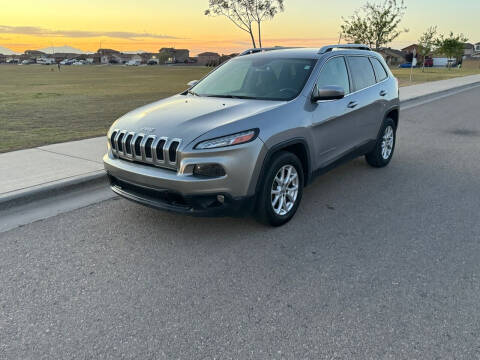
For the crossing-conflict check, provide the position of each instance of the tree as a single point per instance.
(426, 43)
(451, 46)
(375, 24)
(264, 10)
(237, 11)
(244, 13)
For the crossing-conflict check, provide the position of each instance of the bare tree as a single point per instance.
(237, 11)
(375, 24)
(264, 10)
(426, 43)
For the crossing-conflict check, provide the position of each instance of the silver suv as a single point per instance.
(250, 135)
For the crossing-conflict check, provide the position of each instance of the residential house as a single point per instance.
(173, 56)
(476, 50)
(109, 56)
(409, 53)
(468, 49)
(392, 57)
(410, 48)
(208, 59)
(31, 55)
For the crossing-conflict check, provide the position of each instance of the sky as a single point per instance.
(152, 24)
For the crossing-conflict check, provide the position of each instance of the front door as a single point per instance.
(333, 123)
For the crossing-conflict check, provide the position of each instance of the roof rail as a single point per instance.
(328, 48)
(257, 50)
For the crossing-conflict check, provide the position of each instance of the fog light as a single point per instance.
(221, 199)
(209, 170)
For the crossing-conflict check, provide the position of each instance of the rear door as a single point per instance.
(365, 98)
(333, 122)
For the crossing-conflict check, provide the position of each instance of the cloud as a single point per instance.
(38, 31)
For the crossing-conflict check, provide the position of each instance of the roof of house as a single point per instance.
(172, 50)
(392, 52)
(468, 46)
(208, 53)
(409, 46)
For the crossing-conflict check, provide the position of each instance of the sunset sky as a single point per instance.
(152, 24)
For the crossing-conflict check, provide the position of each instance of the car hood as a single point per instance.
(187, 117)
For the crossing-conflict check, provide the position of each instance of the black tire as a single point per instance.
(375, 157)
(265, 211)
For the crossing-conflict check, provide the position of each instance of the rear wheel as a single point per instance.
(382, 153)
(281, 189)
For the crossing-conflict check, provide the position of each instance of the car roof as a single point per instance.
(306, 53)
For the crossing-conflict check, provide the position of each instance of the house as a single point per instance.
(468, 49)
(109, 56)
(208, 59)
(476, 50)
(410, 48)
(392, 57)
(31, 55)
(34, 53)
(172, 55)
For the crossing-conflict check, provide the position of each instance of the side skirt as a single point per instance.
(353, 154)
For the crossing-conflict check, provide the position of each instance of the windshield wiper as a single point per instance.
(191, 92)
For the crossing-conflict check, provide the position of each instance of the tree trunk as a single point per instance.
(253, 39)
(259, 34)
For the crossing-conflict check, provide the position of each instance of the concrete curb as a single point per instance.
(437, 94)
(29, 195)
(40, 192)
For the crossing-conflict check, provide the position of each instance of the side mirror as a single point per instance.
(192, 83)
(327, 93)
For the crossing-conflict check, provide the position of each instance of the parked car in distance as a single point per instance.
(27, 62)
(407, 65)
(249, 136)
(67, 62)
(428, 62)
(132, 63)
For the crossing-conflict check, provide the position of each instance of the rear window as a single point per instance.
(380, 72)
(362, 72)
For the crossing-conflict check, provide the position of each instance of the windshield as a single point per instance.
(252, 77)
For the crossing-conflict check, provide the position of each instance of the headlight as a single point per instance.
(229, 140)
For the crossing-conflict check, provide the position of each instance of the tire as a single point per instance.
(382, 153)
(273, 211)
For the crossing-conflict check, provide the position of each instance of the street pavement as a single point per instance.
(377, 264)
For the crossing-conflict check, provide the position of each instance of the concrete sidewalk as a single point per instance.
(31, 170)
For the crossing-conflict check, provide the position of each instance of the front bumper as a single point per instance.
(181, 191)
(195, 205)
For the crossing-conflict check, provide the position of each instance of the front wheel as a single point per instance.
(382, 153)
(281, 189)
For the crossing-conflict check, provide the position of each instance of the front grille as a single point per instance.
(148, 149)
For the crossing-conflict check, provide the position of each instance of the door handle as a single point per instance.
(352, 104)
(383, 93)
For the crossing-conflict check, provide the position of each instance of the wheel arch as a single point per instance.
(394, 114)
(296, 146)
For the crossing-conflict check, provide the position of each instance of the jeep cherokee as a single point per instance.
(251, 134)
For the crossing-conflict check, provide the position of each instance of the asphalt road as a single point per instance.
(377, 264)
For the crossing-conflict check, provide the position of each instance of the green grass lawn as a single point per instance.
(430, 74)
(39, 105)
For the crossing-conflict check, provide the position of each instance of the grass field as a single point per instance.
(39, 105)
(430, 74)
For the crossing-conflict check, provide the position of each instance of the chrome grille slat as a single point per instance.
(125, 145)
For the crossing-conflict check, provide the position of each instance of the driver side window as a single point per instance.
(335, 73)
